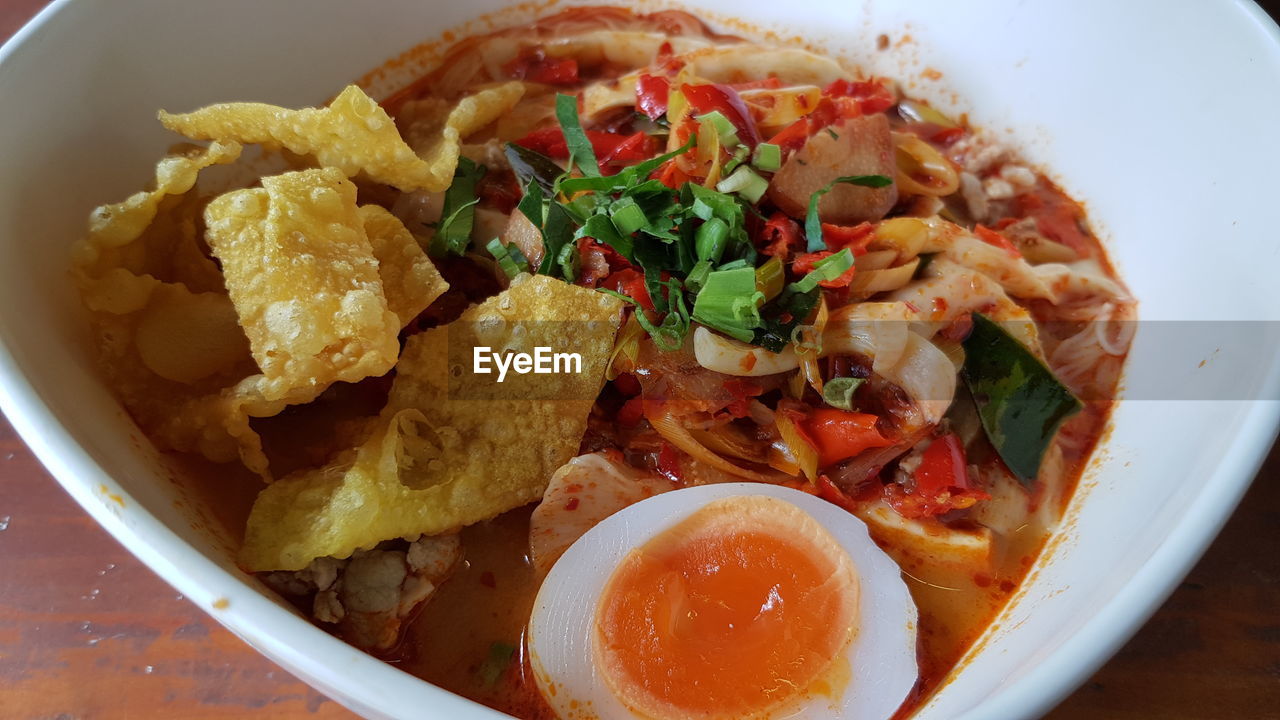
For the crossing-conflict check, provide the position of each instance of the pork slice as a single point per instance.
(854, 146)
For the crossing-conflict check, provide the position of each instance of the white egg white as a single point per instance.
(881, 657)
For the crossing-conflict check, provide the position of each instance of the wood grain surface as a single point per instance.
(87, 632)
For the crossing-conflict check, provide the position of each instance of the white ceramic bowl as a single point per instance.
(1159, 115)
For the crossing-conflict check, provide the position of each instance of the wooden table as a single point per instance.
(87, 632)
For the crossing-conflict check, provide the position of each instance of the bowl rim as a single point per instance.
(265, 625)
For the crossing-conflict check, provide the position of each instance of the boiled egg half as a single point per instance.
(738, 600)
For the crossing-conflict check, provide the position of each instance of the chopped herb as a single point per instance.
(834, 135)
(729, 302)
(723, 126)
(813, 225)
(828, 268)
(838, 392)
(569, 262)
(600, 228)
(711, 239)
(767, 157)
(532, 165)
(779, 319)
(1020, 402)
(698, 275)
(453, 234)
(627, 177)
(669, 335)
(499, 659)
(628, 217)
(739, 157)
(509, 258)
(557, 233)
(574, 136)
(746, 183)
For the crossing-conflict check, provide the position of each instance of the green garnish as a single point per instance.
(711, 239)
(723, 127)
(746, 183)
(509, 258)
(767, 157)
(1019, 400)
(813, 225)
(730, 303)
(739, 157)
(628, 217)
(499, 659)
(569, 262)
(779, 319)
(698, 275)
(575, 137)
(828, 268)
(557, 234)
(834, 135)
(838, 392)
(453, 234)
(532, 165)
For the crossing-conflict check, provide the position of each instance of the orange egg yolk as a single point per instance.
(735, 611)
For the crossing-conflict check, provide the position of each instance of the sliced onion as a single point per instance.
(728, 440)
(669, 427)
(731, 357)
(922, 170)
(926, 374)
(796, 448)
(874, 281)
(876, 260)
(876, 329)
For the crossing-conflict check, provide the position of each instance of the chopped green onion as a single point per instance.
(574, 136)
(499, 659)
(828, 268)
(510, 259)
(729, 302)
(834, 135)
(454, 231)
(767, 157)
(739, 157)
(735, 264)
(711, 238)
(838, 392)
(813, 225)
(722, 125)
(698, 275)
(745, 183)
(627, 216)
(770, 278)
(569, 262)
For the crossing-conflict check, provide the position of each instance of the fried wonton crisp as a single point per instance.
(305, 283)
(453, 447)
(112, 266)
(409, 279)
(353, 133)
(166, 332)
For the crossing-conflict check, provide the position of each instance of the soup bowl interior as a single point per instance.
(1100, 94)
